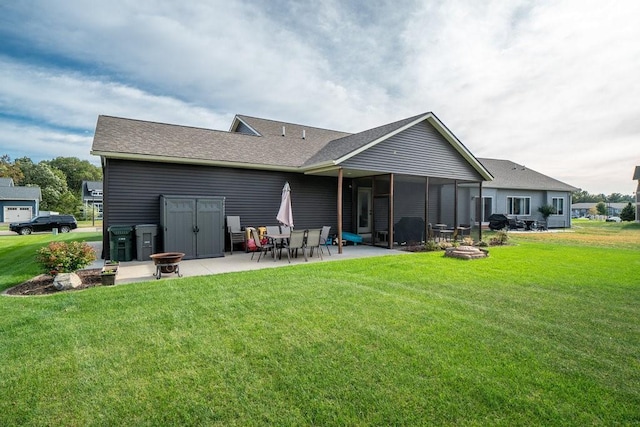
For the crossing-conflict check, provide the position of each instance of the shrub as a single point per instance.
(500, 238)
(62, 257)
(628, 213)
(467, 241)
(431, 246)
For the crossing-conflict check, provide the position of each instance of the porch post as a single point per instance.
(455, 207)
(426, 209)
(391, 222)
(480, 212)
(340, 210)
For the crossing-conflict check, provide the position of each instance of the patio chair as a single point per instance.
(324, 238)
(285, 229)
(236, 235)
(297, 240)
(313, 241)
(262, 248)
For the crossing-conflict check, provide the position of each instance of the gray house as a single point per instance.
(92, 197)
(518, 192)
(369, 183)
(18, 203)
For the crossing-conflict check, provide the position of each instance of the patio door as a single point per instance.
(365, 210)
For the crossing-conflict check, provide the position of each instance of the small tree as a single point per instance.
(628, 213)
(601, 208)
(62, 257)
(546, 211)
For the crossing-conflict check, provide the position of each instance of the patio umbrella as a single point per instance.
(285, 216)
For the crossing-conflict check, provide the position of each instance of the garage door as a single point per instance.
(17, 213)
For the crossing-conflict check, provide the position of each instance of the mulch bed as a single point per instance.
(43, 284)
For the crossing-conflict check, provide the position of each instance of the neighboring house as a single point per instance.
(583, 209)
(92, 197)
(636, 177)
(18, 203)
(518, 192)
(360, 183)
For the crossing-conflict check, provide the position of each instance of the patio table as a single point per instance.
(277, 239)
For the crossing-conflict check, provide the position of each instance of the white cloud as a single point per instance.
(550, 84)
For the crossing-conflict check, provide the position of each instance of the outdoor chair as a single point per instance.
(262, 248)
(313, 241)
(324, 237)
(297, 240)
(285, 229)
(236, 235)
(541, 225)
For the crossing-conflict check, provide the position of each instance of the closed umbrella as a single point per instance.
(285, 216)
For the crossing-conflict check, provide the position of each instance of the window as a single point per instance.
(484, 207)
(518, 205)
(558, 205)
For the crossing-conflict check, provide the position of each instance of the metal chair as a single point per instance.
(262, 248)
(324, 237)
(313, 241)
(297, 240)
(236, 235)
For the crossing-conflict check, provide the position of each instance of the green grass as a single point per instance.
(537, 334)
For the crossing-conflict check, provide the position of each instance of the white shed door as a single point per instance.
(17, 213)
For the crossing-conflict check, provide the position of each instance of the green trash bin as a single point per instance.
(121, 242)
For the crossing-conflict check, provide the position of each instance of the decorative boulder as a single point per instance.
(64, 281)
(466, 252)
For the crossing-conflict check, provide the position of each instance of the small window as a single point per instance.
(558, 205)
(519, 206)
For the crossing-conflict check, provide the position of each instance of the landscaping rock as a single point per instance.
(64, 281)
(466, 252)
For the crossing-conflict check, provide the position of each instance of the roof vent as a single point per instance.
(283, 131)
(304, 134)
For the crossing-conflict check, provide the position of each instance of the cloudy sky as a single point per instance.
(553, 85)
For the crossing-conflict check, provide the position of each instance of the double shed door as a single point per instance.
(194, 226)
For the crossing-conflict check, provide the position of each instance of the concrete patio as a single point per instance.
(139, 271)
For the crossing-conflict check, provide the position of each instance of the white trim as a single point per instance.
(234, 125)
(166, 159)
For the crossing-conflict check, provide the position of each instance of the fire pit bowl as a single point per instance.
(167, 262)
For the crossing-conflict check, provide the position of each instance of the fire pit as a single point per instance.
(167, 262)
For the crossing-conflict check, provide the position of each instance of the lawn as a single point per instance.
(543, 332)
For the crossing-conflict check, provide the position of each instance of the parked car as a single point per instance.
(614, 219)
(64, 223)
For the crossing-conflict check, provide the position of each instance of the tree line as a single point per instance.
(60, 180)
(584, 197)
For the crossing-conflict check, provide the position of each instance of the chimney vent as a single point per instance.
(283, 131)
(304, 134)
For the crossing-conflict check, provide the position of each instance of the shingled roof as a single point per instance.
(508, 174)
(261, 144)
(20, 193)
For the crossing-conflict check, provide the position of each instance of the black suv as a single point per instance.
(64, 223)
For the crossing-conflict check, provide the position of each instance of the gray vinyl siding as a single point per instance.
(132, 193)
(419, 150)
(244, 129)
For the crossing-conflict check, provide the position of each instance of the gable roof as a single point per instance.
(20, 193)
(636, 175)
(92, 185)
(508, 174)
(252, 143)
(6, 182)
